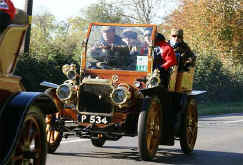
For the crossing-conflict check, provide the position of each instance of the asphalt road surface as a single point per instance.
(220, 142)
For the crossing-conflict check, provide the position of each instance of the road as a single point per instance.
(220, 141)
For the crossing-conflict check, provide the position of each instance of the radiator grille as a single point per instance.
(95, 98)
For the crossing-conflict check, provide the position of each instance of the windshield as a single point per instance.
(118, 48)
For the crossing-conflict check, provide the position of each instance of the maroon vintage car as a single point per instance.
(118, 92)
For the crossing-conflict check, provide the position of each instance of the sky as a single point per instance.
(60, 10)
(69, 8)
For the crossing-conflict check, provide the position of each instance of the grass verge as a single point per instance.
(220, 108)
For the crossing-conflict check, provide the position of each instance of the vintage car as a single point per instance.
(119, 92)
(22, 124)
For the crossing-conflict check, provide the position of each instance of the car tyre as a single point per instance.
(98, 142)
(189, 127)
(31, 147)
(149, 124)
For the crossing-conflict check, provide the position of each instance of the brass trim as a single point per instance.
(128, 95)
(88, 80)
(67, 68)
(70, 94)
(115, 78)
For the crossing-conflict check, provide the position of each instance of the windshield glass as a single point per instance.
(118, 48)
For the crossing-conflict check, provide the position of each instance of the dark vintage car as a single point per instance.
(119, 92)
(22, 124)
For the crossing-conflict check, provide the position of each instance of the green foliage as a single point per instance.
(211, 28)
(210, 25)
(214, 108)
(34, 71)
(104, 12)
(54, 44)
(219, 82)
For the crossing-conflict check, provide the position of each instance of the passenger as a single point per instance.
(131, 39)
(182, 50)
(164, 58)
(147, 41)
(7, 13)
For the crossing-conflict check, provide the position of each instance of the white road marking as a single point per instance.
(68, 141)
(236, 121)
(73, 141)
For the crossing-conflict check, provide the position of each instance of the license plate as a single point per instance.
(95, 119)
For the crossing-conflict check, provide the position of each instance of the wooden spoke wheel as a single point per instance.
(31, 148)
(54, 135)
(189, 127)
(149, 128)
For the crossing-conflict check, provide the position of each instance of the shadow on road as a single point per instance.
(199, 157)
(169, 156)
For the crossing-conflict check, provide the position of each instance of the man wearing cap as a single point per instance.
(7, 13)
(131, 39)
(182, 50)
(147, 41)
(109, 38)
(109, 49)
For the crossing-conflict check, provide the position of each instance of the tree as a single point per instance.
(213, 29)
(103, 12)
(210, 25)
(147, 11)
(43, 27)
(53, 44)
(51, 38)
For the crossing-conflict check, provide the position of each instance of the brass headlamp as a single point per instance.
(69, 71)
(121, 95)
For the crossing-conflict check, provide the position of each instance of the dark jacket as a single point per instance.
(186, 56)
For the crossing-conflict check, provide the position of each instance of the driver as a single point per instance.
(109, 38)
(109, 51)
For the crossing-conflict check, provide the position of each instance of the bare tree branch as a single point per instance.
(146, 11)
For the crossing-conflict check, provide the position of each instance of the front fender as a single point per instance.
(195, 92)
(12, 118)
(153, 91)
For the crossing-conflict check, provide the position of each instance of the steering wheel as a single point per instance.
(103, 65)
